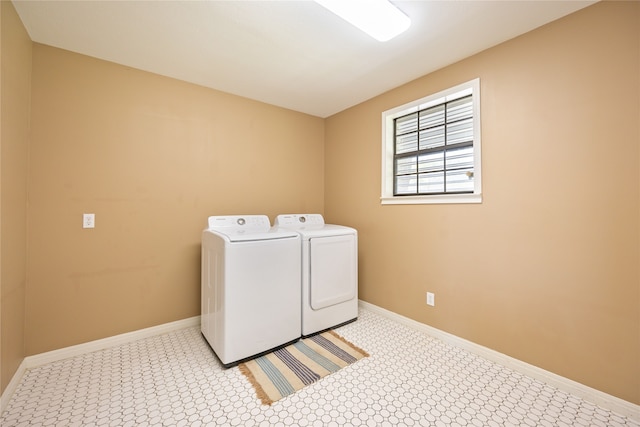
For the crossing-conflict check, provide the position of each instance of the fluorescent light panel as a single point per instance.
(378, 18)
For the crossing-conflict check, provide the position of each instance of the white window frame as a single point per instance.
(387, 197)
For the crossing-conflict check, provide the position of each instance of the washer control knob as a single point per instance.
(241, 221)
(302, 219)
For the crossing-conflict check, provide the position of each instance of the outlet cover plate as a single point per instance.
(88, 220)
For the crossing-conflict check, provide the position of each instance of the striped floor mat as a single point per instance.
(284, 371)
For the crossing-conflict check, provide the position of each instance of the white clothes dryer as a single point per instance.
(329, 271)
(250, 287)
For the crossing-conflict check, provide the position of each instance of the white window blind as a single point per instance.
(431, 148)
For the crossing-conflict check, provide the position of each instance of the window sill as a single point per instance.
(428, 200)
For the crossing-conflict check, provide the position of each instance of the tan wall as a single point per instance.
(546, 269)
(15, 90)
(152, 157)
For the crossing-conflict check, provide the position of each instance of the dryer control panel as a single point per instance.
(299, 220)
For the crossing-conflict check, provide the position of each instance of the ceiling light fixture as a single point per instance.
(378, 18)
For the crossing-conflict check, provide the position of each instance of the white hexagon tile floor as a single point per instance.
(410, 379)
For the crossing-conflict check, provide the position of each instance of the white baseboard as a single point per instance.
(76, 350)
(11, 387)
(589, 394)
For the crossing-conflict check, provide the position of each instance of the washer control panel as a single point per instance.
(239, 222)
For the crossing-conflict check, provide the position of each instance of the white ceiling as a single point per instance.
(293, 54)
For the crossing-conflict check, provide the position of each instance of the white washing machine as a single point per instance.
(329, 271)
(250, 295)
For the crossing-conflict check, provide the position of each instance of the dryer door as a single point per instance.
(333, 275)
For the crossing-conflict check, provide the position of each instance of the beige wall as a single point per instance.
(14, 105)
(152, 157)
(546, 269)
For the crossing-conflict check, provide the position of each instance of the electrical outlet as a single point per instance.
(88, 220)
(431, 299)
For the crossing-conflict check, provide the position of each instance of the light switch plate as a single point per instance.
(431, 299)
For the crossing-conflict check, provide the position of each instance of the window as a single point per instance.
(431, 149)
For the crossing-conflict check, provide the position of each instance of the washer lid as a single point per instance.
(241, 228)
(249, 235)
